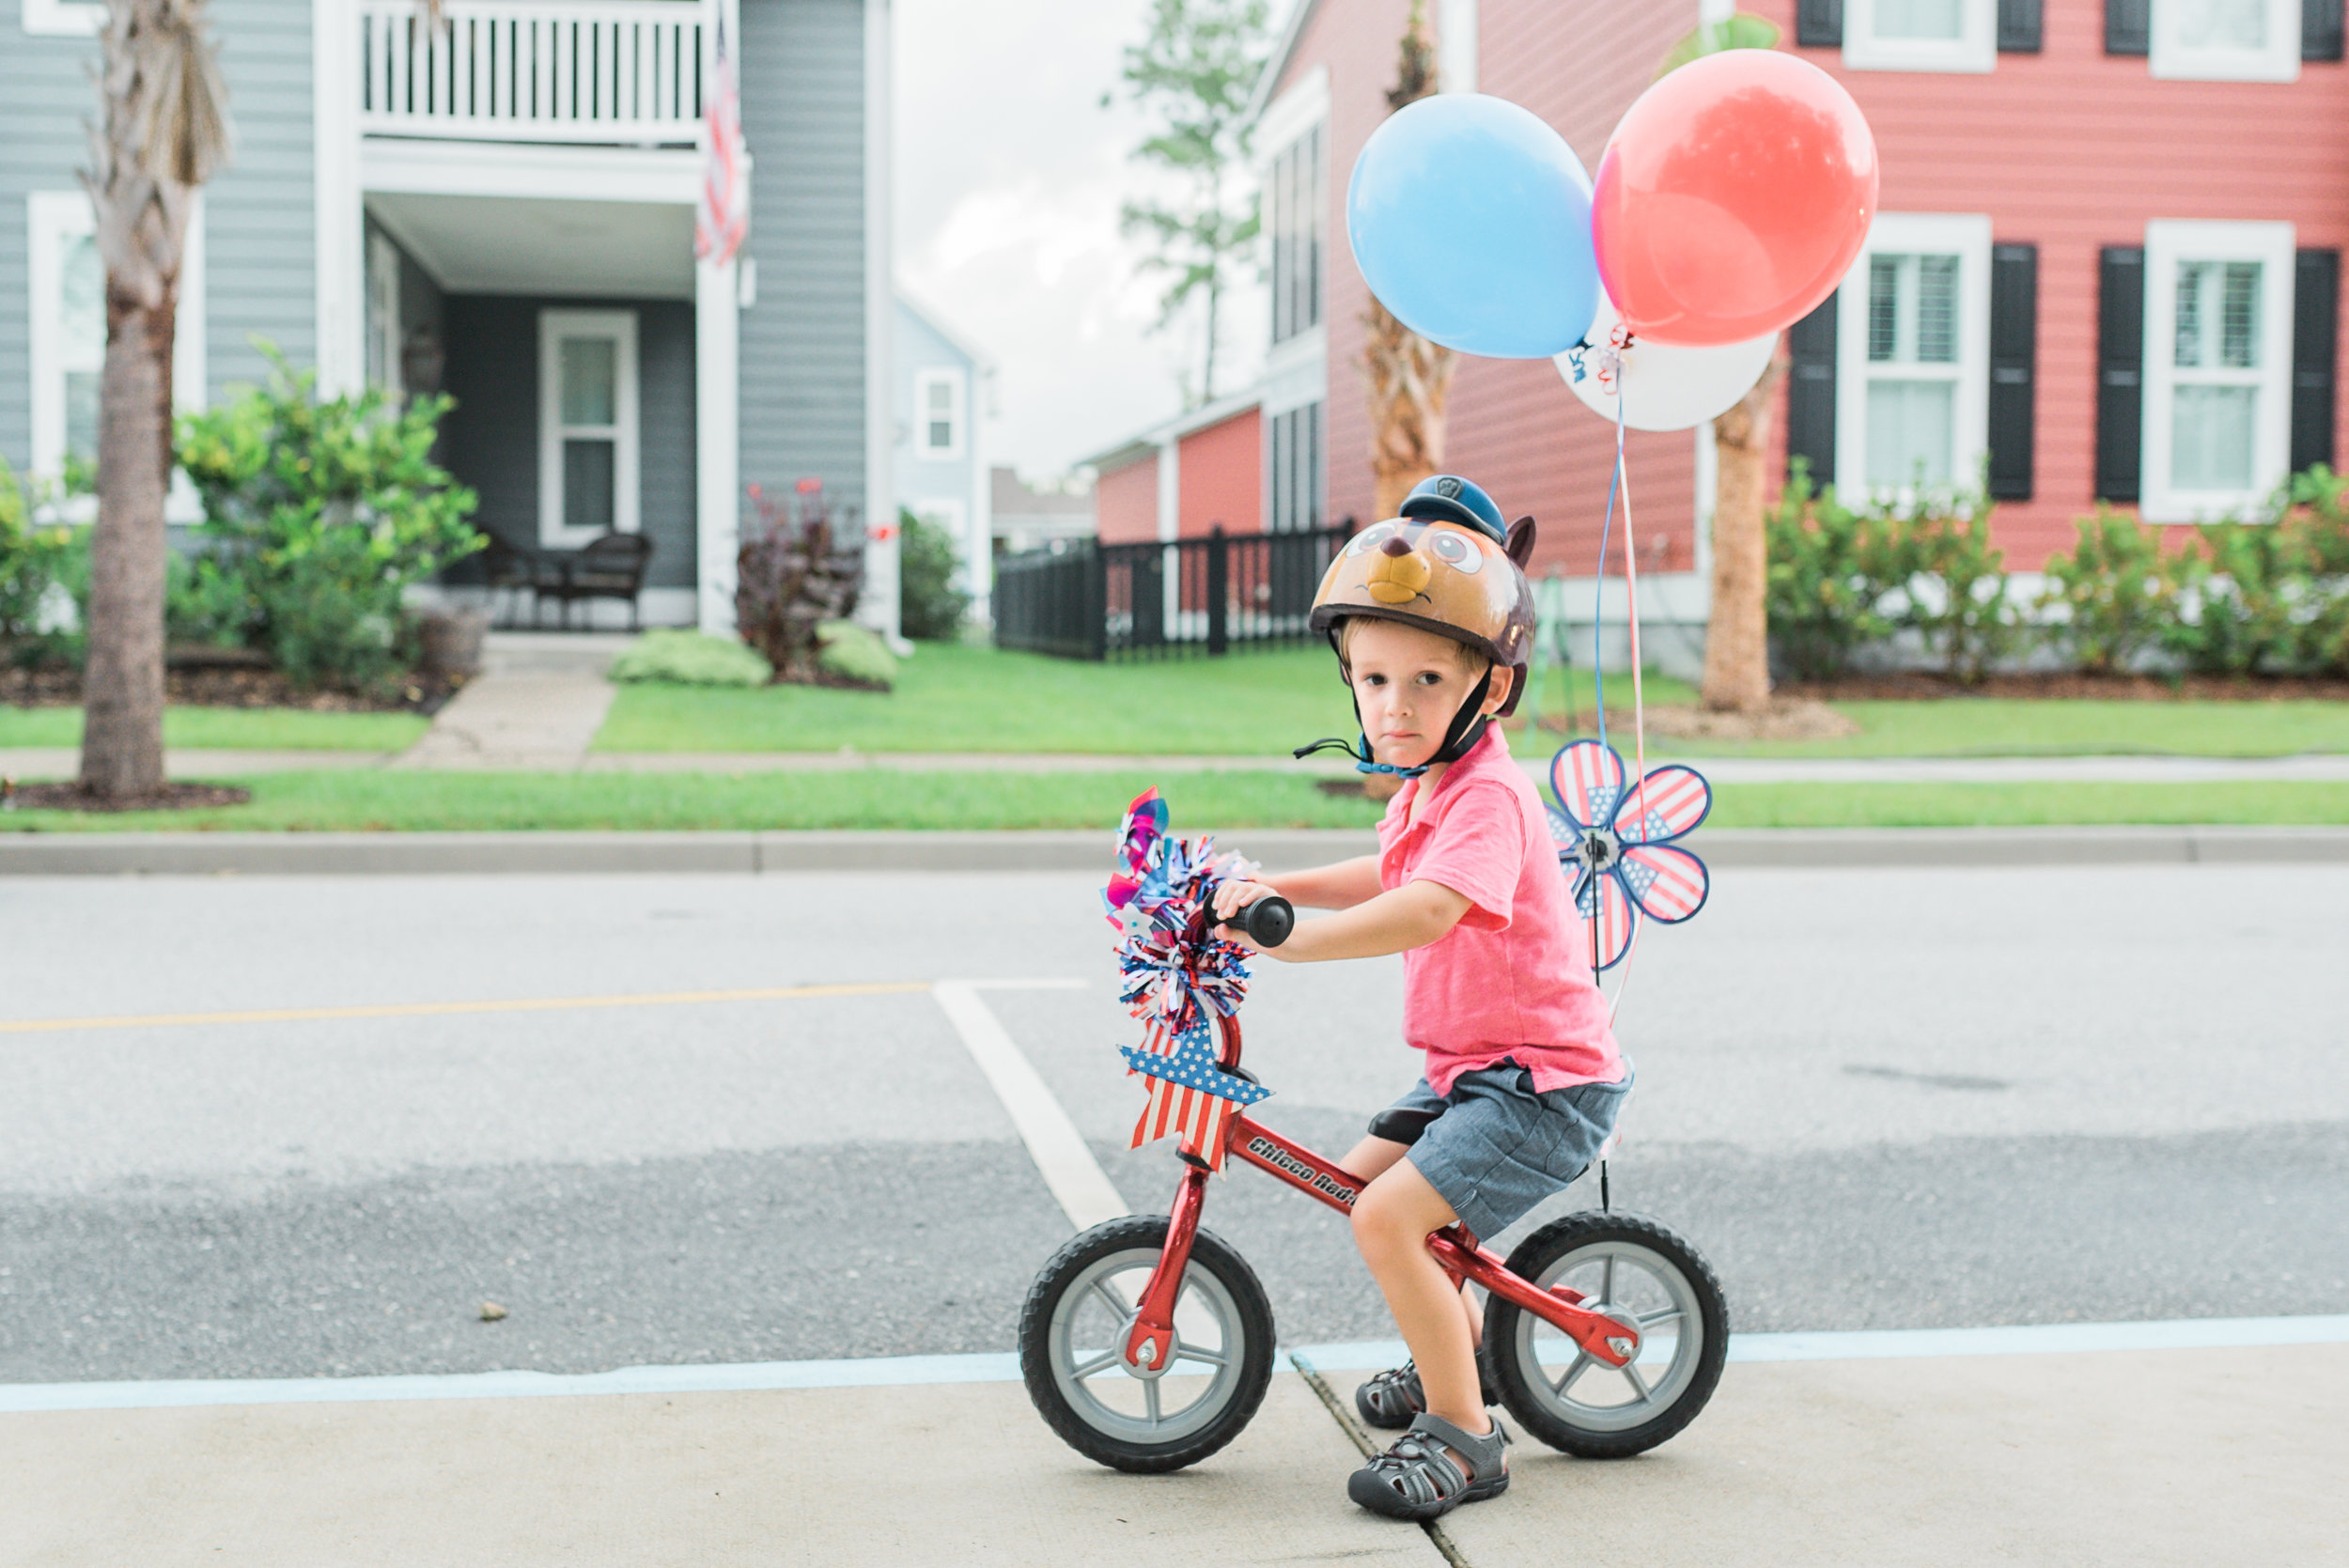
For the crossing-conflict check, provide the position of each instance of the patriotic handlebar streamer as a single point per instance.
(1620, 841)
(1174, 972)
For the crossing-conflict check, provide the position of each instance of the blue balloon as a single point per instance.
(1470, 219)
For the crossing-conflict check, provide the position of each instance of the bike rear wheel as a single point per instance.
(1634, 1270)
(1075, 1320)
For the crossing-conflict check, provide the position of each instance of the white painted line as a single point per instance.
(1076, 1179)
(879, 1372)
(1870, 1345)
(888, 1371)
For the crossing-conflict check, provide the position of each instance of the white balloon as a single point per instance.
(1664, 386)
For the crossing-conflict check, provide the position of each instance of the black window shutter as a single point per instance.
(2320, 29)
(2018, 26)
(2128, 27)
(2014, 368)
(1810, 392)
(1819, 23)
(2316, 347)
(2119, 371)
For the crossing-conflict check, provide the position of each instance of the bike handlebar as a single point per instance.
(1268, 921)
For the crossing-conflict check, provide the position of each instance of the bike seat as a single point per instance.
(1399, 1125)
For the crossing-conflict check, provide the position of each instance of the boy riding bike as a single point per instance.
(1431, 618)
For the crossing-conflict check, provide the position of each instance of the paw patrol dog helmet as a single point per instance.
(1447, 564)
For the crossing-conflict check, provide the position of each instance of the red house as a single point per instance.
(2106, 265)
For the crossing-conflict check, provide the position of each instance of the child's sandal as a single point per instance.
(1390, 1400)
(1417, 1478)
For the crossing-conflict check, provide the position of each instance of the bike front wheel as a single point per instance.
(1630, 1268)
(1074, 1321)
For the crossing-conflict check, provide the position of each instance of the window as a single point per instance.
(1298, 221)
(1293, 464)
(66, 339)
(587, 430)
(385, 337)
(2226, 40)
(1913, 350)
(939, 410)
(64, 18)
(1921, 34)
(2219, 312)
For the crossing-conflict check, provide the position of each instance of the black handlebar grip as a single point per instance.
(1267, 921)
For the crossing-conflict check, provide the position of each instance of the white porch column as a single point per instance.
(340, 219)
(879, 607)
(717, 441)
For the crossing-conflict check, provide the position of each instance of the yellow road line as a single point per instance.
(444, 1009)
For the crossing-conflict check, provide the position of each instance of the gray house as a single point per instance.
(503, 209)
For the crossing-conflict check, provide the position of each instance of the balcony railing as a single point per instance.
(626, 72)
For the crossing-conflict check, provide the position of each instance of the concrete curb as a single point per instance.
(752, 853)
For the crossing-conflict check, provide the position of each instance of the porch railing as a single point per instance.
(1092, 600)
(616, 71)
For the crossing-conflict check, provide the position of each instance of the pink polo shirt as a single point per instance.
(1513, 978)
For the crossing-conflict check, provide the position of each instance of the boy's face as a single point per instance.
(1408, 683)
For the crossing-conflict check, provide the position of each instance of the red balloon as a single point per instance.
(1733, 199)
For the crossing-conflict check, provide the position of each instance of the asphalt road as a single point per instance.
(1875, 1098)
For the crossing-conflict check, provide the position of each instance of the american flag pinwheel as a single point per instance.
(1616, 840)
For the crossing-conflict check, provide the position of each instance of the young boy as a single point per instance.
(1432, 618)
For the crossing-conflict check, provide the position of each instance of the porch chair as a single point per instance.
(610, 566)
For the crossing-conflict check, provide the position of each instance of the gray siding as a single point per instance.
(490, 439)
(45, 95)
(259, 212)
(803, 344)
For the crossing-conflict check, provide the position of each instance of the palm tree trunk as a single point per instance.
(123, 736)
(1736, 638)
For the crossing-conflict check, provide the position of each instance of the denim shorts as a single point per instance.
(1496, 1147)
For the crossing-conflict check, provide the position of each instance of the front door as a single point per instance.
(587, 426)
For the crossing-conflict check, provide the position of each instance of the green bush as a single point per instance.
(930, 608)
(317, 516)
(2118, 591)
(855, 654)
(690, 658)
(1968, 618)
(1825, 579)
(38, 563)
(2249, 583)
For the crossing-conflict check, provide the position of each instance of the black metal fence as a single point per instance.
(1092, 600)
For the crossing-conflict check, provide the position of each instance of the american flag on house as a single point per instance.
(1191, 1094)
(723, 218)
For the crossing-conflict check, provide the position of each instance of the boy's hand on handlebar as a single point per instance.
(1232, 897)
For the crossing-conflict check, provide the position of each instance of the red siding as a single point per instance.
(1221, 469)
(1126, 503)
(2069, 150)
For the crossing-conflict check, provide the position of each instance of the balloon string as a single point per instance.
(1638, 706)
(1598, 583)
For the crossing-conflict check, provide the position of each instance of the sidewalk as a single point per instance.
(2185, 1457)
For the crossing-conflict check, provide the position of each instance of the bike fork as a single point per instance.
(1149, 1347)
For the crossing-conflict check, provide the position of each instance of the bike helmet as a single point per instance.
(1448, 565)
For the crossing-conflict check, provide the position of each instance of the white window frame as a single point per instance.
(1967, 236)
(2279, 60)
(386, 331)
(51, 218)
(959, 404)
(63, 19)
(1975, 50)
(2169, 242)
(553, 326)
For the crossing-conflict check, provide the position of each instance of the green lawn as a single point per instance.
(376, 801)
(241, 729)
(955, 698)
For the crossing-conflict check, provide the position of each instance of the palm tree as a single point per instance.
(1409, 376)
(162, 133)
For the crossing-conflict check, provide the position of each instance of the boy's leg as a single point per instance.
(1390, 1224)
(1373, 1157)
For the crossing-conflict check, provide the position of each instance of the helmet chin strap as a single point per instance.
(1466, 729)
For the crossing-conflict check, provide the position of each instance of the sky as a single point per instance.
(1008, 180)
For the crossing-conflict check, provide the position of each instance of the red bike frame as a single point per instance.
(1150, 1341)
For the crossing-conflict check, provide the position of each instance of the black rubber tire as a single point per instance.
(1254, 1329)
(1532, 1258)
